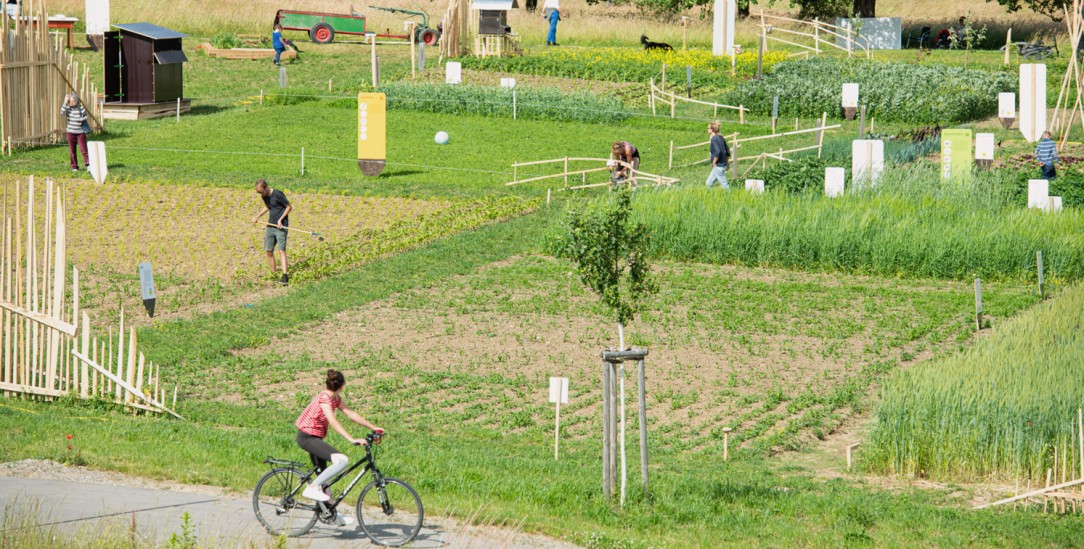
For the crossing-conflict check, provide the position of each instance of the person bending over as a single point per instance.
(623, 151)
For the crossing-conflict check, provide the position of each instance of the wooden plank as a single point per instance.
(32, 390)
(129, 390)
(55, 324)
(131, 359)
(1033, 493)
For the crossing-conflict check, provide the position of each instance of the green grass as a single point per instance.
(999, 409)
(911, 225)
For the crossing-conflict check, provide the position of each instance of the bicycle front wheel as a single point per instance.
(279, 506)
(390, 512)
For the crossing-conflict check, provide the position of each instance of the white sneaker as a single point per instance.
(344, 520)
(314, 492)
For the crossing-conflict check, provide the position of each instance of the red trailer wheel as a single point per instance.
(322, 33)
(428, 37)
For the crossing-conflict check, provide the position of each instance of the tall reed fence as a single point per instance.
(36, 72)
(1006, 408)
(44, 352)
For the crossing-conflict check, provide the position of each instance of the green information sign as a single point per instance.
(956, 154)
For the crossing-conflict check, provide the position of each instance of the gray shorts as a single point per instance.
(274, 238)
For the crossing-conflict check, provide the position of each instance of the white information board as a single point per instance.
(1038, 193)
(97, 17)
(867, 161)
(1054, 204)
(1006, 105)
(722, 30)
(98, 167)
(508, 82)
(1032, 101)
(876, 33)
(984, 146)
(755, 186)
(559, 390)
(850, 95)
(453, 72)
(833, 181)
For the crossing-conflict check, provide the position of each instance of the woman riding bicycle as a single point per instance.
(312, 429)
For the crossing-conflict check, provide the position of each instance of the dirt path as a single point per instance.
(86, 503)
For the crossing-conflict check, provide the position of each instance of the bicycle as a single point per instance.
(389, 511)
(1035, 52)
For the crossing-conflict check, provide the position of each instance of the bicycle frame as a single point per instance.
(366, 462)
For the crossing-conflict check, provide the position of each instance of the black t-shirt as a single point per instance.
(276, 204)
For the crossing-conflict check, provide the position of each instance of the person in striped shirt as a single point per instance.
(1047, 155)
(77, 129)
(312, 427)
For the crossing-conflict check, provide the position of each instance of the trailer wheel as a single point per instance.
(428, 37)
(322, 33)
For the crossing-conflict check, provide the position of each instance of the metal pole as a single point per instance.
(643, 426)
(302, 160)
(621, 441)
(862, 123)
(606, 429)
(513, 103)
(978, 304)
(1039, 266)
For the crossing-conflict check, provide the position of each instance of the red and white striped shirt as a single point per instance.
(312, 419)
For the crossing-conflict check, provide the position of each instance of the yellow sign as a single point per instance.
(372, 133)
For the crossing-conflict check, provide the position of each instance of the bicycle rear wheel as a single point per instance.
(390, 512)
(278, 504)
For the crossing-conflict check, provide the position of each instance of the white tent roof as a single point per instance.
(500, 5)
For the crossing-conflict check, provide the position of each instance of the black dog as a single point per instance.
(649, 45)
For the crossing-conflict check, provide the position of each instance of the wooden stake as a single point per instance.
(978, 304)
(643, 426)
(1039, 269)
(726, 443)
(132, 358)
(557, 430)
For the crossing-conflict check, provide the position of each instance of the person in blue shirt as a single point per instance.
(277, 42)
(553, 15)
(1046, 152)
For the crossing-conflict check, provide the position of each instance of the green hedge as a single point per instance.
(900, 92)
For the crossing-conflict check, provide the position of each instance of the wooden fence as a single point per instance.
(42, 352)
(566, 173)
(823, 36)
(36, 72)
(657, 95)
(736, 144)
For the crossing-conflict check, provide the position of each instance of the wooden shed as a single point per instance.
(493, 35)
(144, 72)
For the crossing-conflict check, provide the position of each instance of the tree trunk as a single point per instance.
(865, 8)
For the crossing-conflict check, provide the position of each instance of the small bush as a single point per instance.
(225, 40)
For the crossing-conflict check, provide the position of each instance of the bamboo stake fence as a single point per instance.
(36, 72)
(43, 352)
(736, 145)
(658, 94)
(820, 33)
(1056, 495)
(658, 180)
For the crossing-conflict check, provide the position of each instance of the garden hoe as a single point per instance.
(313, 233)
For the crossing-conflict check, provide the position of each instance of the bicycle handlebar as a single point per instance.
(374, 437)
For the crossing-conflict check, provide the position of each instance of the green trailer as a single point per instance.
(322, 27)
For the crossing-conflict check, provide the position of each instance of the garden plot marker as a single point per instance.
(833, 182)
(1032, 101)
(1038, 193)
(984, 150)
(558, 396)
(453, 72)
(755, 186)
(867, 161)
(956, 160)
(372, 133)
(98, 167)
(1039, 270)
(282, 77)
(722, 32)
(850, 100)
(1006, 108)
(146, 287)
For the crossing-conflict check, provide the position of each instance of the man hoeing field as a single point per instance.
(278, 222)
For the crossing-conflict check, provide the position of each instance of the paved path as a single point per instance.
(84, 508)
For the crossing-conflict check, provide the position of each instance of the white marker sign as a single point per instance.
(1038, 193)
(453, 72)
(755, 186)
(558, 396)
(1032, 101)
(984, 146)
(867, 161)
(850, 95)
(1006, 105)
(97, 17)
(833, 181)
(508, 82)
(98, 167)
(722, 31)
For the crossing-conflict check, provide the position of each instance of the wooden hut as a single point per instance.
(144, 72)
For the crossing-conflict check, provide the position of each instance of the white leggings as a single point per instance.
(338, 463)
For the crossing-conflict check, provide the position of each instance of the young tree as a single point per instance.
(610, 253)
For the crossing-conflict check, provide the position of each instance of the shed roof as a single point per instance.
(154, 32)
(500, 5)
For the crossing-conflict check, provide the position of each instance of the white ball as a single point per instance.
(441, 138)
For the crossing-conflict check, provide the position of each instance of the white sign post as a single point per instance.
(722, 35)
(755, 186)
(867, 161)
(453, 72)
(850, 100)
(558, 396)
(97, 17)
(1032, 101)
(834, 179)
(1006, 108)
(984, 149)
(98, 167)
(1038, 193)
